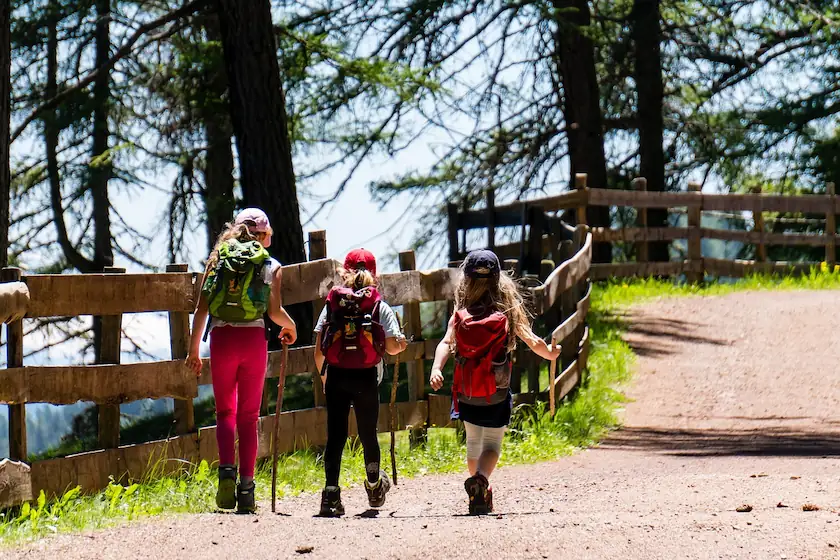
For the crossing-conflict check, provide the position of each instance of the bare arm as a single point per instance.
(319, 356)
(395, 344)
(537, 345)
(277, 312)
(198, 325)
(442, 355)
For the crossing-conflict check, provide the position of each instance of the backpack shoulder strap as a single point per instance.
(461, 317)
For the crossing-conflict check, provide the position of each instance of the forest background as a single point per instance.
(135, 128)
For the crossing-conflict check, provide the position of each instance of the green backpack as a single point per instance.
(235, 290)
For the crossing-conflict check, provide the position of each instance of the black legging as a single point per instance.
(358, 387)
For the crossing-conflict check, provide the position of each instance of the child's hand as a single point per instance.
(194, 363)
(436, 379)
(288, 335)
(554, 351)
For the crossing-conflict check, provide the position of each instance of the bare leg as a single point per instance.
(487, 463)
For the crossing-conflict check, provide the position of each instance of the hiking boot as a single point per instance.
(480, 494)
(376, 491)
(245, 502)
(331, 502)
(226, 494)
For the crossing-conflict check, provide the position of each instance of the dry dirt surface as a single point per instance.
(734, 404)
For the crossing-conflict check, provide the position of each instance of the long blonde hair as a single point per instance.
(240, 232)
(495, 294)
(357, 279)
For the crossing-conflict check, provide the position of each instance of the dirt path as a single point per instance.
(735, 402)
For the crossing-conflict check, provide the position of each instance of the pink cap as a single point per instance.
(256, 220)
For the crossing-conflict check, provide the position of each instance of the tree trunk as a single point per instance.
(581, 107)
(100, 168)
(5, 109)
(218, 166)
(258, 112)
(51, 134)
(647, 35)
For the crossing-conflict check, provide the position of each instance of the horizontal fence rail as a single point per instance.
(560, 297)
(540, 234)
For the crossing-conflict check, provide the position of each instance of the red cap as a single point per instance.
(360, 258)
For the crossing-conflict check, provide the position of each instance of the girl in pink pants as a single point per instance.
(250, 282)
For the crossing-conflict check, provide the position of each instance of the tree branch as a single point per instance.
(125, 50)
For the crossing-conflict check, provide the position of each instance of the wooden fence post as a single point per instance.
(463, 231)
(531, 362)
(416, 371)
(179, 343)
(695, 254)
(452, 231)
(491, 219)
(831, 229)
(758, 225)
(580, 185)
(580, 290)
(642, 253)
(536, 221)
(546, 268)
(568, 305)
(511, 266)
(317, 250)
(523, 239)
(109, 353)
(14, 358)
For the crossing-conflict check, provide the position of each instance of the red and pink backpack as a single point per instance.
(353, 337)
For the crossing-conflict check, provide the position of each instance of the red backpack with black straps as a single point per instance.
(353, 337)
(479, 342)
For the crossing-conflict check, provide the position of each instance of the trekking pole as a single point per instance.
(552, 372)
(393, 410)
(281, 385)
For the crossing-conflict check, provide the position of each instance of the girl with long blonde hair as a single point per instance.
(490, 315)
(240, 283)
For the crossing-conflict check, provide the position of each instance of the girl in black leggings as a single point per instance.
(355, 330)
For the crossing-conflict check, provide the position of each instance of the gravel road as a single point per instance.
(734, 404)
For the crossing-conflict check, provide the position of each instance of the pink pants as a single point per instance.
(238, 357)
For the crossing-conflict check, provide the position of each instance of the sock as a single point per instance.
(372, 470)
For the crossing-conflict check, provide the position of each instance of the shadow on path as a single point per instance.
(769, 441)
(658, 336)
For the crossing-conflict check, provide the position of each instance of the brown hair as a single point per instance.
(495, 294)
(240, 232)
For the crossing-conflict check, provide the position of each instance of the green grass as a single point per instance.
(616, 294)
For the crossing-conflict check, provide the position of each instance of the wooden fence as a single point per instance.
(562, 299)
(545, 231)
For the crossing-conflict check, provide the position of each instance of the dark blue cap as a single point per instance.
(482, 263)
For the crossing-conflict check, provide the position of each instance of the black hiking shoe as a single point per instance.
(480, 494)
(245, 502)
(376, 491)
(226, 494)
(331, 505)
